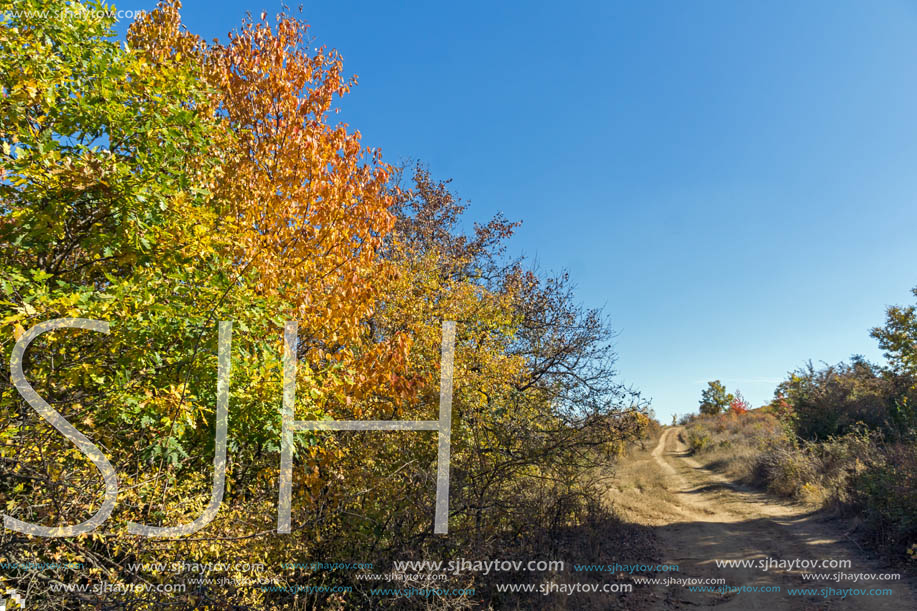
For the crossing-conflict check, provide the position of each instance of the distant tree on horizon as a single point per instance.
(898, 338)
(714, 399)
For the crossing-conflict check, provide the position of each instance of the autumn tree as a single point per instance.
(110, 156)
(739, 405)
(165, 184)
(537, 401)
(135, 191)
(714, 399)
(898, 337)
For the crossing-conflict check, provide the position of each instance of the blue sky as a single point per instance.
(733, 181)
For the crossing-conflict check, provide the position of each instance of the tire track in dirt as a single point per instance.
(701, 516)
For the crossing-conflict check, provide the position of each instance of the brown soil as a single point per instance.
(700, 516)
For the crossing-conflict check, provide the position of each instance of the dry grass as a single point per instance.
(858, 475)
(639, 492)
(733, 444)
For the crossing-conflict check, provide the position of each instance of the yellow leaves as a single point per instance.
(308, 203)
(30, 87)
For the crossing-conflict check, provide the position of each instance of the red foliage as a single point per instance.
(739, 405)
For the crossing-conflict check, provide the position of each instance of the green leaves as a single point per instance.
(166, 185)
(899, 337)
(714, 398)
(104, 139)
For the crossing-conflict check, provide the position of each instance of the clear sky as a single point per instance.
(733, 181)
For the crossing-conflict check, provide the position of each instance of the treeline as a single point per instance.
(165, 184)
(841, 436)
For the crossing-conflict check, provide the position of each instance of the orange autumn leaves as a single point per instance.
(210, 181)
(305, 203)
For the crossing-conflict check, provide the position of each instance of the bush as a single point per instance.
(860, 473)
(833, 401)
(785, 470)
(885, 493)
(698, 441)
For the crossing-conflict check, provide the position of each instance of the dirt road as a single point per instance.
(701, 517)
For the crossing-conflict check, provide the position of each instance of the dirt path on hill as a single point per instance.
(700, 517)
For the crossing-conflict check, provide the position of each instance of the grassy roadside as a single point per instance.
(860, 475)
(639, 493)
